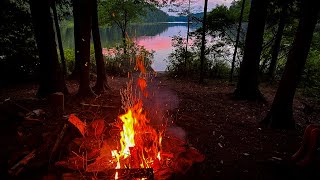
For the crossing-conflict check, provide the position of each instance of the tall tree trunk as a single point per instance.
(203, 43)
(51, 77)
(237, 40)
(247, 87)
(281, 115)
(84, 47)
(101, 70)
(58, 33)
(187, 43)
(77, 40)
(277, 42)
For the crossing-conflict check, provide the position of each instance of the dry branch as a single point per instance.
(32, 119)
(58, 141)
(17, 168)
(95, 105)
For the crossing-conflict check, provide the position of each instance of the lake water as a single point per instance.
(156, 37)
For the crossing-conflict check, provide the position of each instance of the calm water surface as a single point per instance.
(156, 37)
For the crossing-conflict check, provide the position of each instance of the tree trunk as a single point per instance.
(187, 43)
(281, 113)
(101, 83)
(58, 33)
(203, 46)
(123, 33)
(84, 47)
(77, 40)
(277, 42)
(51, 78)
(237, 40)
(247, 87)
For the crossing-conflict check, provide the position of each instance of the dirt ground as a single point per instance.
(226, 131)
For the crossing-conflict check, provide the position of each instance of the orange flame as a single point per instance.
(140, 143)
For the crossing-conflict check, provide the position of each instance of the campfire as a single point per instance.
(132, 147)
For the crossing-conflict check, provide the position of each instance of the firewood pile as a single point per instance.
(91, 153)
(88, 155)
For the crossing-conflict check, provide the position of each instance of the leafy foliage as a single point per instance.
(18, 53)
(118, 63)
(121, 13)
(217, 54)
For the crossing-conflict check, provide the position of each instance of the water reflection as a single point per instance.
(155, 37)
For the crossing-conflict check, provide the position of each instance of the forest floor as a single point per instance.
(226, 131)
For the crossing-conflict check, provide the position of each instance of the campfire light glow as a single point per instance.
(140, 143)
(140, 150)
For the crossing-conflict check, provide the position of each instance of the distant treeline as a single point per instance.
(157, 15)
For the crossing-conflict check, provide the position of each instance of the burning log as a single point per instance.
(136, 173)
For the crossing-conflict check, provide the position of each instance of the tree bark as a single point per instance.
(277, 42)
(77, 40)
(84, 25)
(247, 87)
(281, 113)
(101, 83)
(203, 46)
(51, 77)
(237, 41)
(58, 33)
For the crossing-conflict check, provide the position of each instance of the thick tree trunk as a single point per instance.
(277, 42)
(51, 77)
(77, 40)
(84, 46)
(281, 115)
(101, 83)
(247, 87)
(203, 43)
(237, 41)
(58, 33)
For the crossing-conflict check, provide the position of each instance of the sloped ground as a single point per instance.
(226, 131)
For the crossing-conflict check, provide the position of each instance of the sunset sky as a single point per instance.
(211, 4)
(197, 6)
